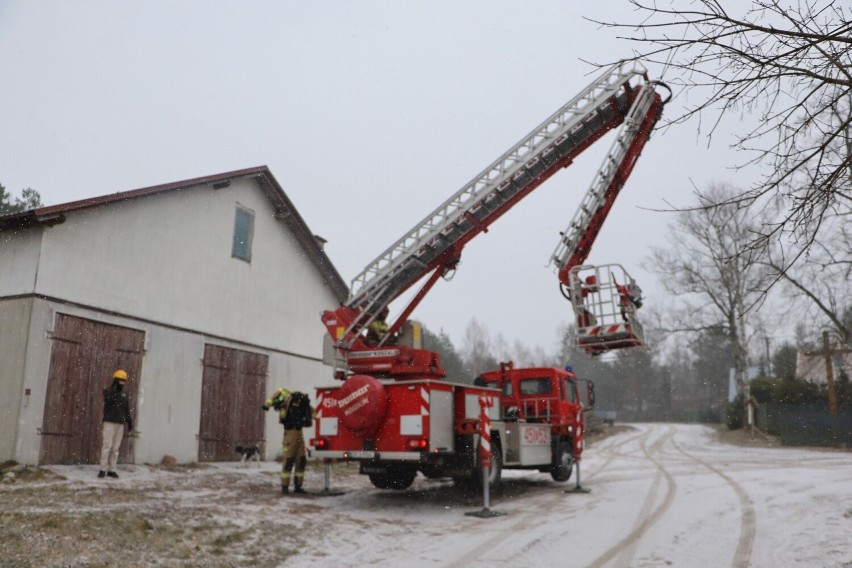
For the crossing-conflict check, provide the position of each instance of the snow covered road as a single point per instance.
(661, 495)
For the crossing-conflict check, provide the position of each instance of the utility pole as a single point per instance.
(768, 360)
(827, 352)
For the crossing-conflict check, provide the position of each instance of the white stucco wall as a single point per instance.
(167, 258)
(19, 257)
(14, 331)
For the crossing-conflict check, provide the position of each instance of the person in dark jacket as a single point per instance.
(116, 415)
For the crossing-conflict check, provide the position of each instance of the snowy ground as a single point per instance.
(661, 495)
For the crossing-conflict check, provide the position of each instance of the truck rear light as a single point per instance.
(319, 443)
(418, 444)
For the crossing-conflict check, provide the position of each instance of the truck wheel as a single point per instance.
(494, 472)
(394, 478)
(563, 468)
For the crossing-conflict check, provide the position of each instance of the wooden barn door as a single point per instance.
(232, 393)
(83, 358)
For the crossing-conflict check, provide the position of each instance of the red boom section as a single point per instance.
(584, 246)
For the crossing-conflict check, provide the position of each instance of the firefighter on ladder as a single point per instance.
(586, 318)
(629, 298)
(378, 329)
(294, 413)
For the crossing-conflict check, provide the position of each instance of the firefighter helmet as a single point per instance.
(120, 374)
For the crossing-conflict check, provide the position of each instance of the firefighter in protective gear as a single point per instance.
(378, 328)
(294, 413)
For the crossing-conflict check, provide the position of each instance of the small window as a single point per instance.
(243, 234)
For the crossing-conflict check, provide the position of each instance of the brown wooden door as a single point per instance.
(83, 358)
(232, 393)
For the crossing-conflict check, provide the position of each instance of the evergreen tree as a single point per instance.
(450, 359)
(29, 199)
(784, 362)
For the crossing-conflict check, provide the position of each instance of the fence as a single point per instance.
(806, 426)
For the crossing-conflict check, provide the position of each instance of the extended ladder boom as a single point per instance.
(576, 242)
(435, 244)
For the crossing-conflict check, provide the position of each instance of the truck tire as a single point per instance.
(394, 478)
(495, 471)
(561, 470)
(362, 404)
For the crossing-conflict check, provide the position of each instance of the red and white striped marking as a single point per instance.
(485, 403)
(609, 329)
(319, 405)
(424, 402)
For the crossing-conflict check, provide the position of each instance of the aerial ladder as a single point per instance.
(621, 96)
(605, 298)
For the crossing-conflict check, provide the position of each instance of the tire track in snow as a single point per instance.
(626, 547)
(748, 524)
(541, 509)
(612, 451)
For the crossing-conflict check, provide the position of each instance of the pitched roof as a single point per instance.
(285, 212)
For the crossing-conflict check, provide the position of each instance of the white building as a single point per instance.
(207, 291)
(811, 367)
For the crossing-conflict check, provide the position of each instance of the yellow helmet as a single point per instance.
(121, 375)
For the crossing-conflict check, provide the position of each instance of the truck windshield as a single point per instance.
(535, 386)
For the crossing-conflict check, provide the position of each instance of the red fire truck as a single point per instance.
(395, 411)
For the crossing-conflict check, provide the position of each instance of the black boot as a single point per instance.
(285, 490)
(101, 473)
(112, 474)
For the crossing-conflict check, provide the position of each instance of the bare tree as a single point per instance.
(476, 349)
(718, 285)
(789, 64)
(822, 281)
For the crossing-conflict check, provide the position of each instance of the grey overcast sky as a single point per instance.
(370, 114)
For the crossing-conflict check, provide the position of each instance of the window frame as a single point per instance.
(249, 241)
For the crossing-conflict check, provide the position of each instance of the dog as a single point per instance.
(250, 453)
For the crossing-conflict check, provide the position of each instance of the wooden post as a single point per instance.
(829, 375)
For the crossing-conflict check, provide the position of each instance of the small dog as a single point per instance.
(250, 453)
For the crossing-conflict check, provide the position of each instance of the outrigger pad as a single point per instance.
(327, 493)
(312, 494)
(486, 514)
(578, 489)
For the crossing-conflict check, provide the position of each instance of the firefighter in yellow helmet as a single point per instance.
(294, 413)
(116, 415)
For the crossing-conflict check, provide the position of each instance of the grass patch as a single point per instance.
(229, 539)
